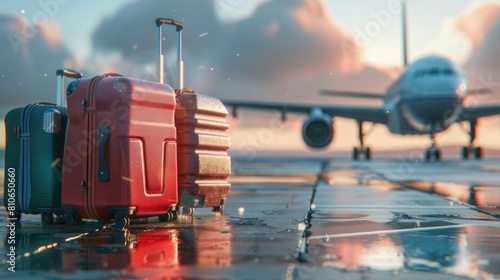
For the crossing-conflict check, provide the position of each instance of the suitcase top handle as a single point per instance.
(67, 72)
(179, 26)
(159, 70)
(60, 74)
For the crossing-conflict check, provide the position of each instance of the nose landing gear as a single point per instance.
(433, 152)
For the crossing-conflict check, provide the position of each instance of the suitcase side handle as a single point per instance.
(60, 74)
(160, 76)
(103, 171)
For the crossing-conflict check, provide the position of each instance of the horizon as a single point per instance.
(215, 70)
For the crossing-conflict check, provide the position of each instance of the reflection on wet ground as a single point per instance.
(293, 219)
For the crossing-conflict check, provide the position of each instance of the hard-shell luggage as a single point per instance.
(120, 156)
(202, 141)
(202, 144)
(33, 157)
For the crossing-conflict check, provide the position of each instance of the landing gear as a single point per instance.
(477, 152)
(356, 152)
(433, 152)
(361, 150)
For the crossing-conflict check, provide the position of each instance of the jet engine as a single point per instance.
(317, 130)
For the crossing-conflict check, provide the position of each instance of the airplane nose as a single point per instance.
(437, 105)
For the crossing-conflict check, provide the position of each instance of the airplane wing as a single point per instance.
(353, 94)
(478, 111)
(375, 114)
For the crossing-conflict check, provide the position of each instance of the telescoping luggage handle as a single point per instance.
(160, 71)
(60, 74)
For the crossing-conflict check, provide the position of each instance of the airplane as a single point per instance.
(427, 98)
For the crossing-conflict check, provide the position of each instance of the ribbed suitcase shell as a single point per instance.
(202, 141)
(120, 155)
(34, 149)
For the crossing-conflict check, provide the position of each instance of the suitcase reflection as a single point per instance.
(126, 252)
(123, 250)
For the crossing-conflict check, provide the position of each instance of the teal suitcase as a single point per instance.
(34, 146)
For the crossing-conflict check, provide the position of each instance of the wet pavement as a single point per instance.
(293, 218)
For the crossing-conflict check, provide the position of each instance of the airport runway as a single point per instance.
(294, 218)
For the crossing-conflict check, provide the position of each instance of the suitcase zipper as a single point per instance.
(25, 162)
(83, 187)
(84, 106)
(87, 188)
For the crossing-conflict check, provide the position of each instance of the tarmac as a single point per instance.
(293, 218)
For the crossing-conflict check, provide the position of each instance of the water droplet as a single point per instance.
(20, 84)
(237, 54)
(203, 34)
(313, 206)
(229, 79)
(326, 238)
(331, 74)
(301, 227)
(135, 47)
(45, 74)
(23, 12)
(451, 203)
(241, 211)
(211, 69)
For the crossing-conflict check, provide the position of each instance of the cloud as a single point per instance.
(132, 28)
(482, 26)
(282, 41)
(475, 23)
(30, 55)
(284, 51)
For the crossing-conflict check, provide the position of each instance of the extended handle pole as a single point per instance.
(60, 74)
(160, 75)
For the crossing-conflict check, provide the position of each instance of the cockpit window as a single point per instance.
(434, 72)
(448, 71)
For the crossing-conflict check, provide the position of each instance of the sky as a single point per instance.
(241, 49)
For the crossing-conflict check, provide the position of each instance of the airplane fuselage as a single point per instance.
(428, 96)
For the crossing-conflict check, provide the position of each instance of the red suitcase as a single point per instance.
(203, 163)
(120, 152)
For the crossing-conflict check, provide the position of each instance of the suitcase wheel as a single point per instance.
(167, 217)
(219, 208)
(186, 211)
(122, 222)
(47, 218)
(71, 220)
(17, 216)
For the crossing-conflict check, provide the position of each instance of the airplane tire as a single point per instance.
(465, 153)
(427, 155)
(355, 154)
(478, 153)
(368, 154)
(437, 155)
